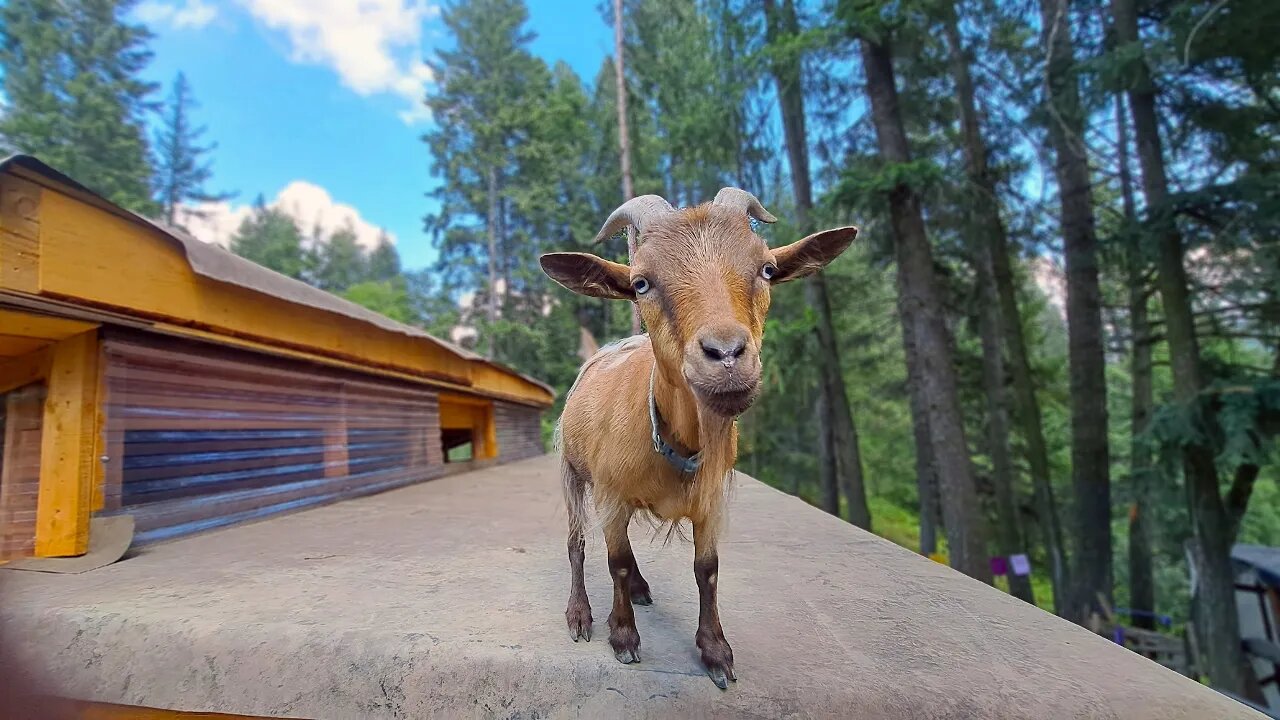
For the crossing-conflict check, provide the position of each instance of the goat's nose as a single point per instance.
(724, 346)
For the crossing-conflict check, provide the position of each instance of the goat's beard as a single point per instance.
(727, 404)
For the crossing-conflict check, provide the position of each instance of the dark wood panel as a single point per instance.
(20, 470)
(519, 430)
(209, 437)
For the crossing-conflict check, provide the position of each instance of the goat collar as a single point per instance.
(685, 465)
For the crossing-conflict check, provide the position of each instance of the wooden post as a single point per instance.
(68, 467)
(485, 434)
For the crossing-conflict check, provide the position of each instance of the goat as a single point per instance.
(649, 424)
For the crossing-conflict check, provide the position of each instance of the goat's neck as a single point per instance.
(691, 425)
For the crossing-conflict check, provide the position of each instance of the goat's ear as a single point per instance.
(589, 275)
(810, 254)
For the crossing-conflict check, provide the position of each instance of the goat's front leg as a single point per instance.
(623, 635)
(717, 656)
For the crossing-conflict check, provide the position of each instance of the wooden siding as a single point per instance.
(20, 470)
(201, 437)
(519, 432)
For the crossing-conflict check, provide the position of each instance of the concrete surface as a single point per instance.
(447, 599)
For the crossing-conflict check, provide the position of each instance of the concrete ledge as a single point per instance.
(447, 599)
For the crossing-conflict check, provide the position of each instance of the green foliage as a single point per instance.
(271, 238)
(340, 262)
(181, 167)
(75, 97)
(384, 261)
(388, 297)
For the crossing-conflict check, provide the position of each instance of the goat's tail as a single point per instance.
(575, 498)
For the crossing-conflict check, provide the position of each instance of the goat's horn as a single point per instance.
(637, 211)
(744, 201)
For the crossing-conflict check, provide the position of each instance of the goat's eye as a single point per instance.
(640, 285)
(768, 271)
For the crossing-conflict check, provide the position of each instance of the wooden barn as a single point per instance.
(144, 372)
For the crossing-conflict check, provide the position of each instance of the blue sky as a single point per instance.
(317, 94)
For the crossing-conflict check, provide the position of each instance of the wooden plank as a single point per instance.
(246, 366)
(68, 468)
(20, 371)
(97, 500)
(20, 471)
(15, 345)
(20, 205)
(45, 327)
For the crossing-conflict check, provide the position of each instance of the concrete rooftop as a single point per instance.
(447, 599)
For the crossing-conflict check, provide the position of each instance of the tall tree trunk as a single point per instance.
(1027, 408)
(1007, 507)
(982, 230)
(492, 231)
(926, 468)
(841, 456)
(826, 453)
(930, 348)
(624, 139)
(1211, 524)
(1142, 585)
(1091, 573)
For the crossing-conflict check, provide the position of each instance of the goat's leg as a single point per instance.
(578, 613)
(717, 656)
(623, 635)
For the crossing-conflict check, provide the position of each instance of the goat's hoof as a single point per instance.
(717, 657)
(641, 597)
(625, 641)
(720, 677)
(579, 619)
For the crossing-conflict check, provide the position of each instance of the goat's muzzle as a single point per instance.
(722, 367)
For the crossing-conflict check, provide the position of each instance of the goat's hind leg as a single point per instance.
(578, 612)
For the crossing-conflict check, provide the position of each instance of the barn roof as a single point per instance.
(218, 264)
(1263, 559)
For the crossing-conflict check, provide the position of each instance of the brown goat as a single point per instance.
(649, 423)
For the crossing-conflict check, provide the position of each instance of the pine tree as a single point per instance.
(341, 262)
(384, 261)
(481, 106)
(181, 170)
(76, 99)
(271, 238)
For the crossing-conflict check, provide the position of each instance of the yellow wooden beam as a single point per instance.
(19, 234)
(44, 327)
(499, 382)
(68, 468)
(23, 370)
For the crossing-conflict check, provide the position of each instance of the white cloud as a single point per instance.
(375, 46)
(309, 204)
(188, 14)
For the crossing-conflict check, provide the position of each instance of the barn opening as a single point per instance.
(467, 431)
